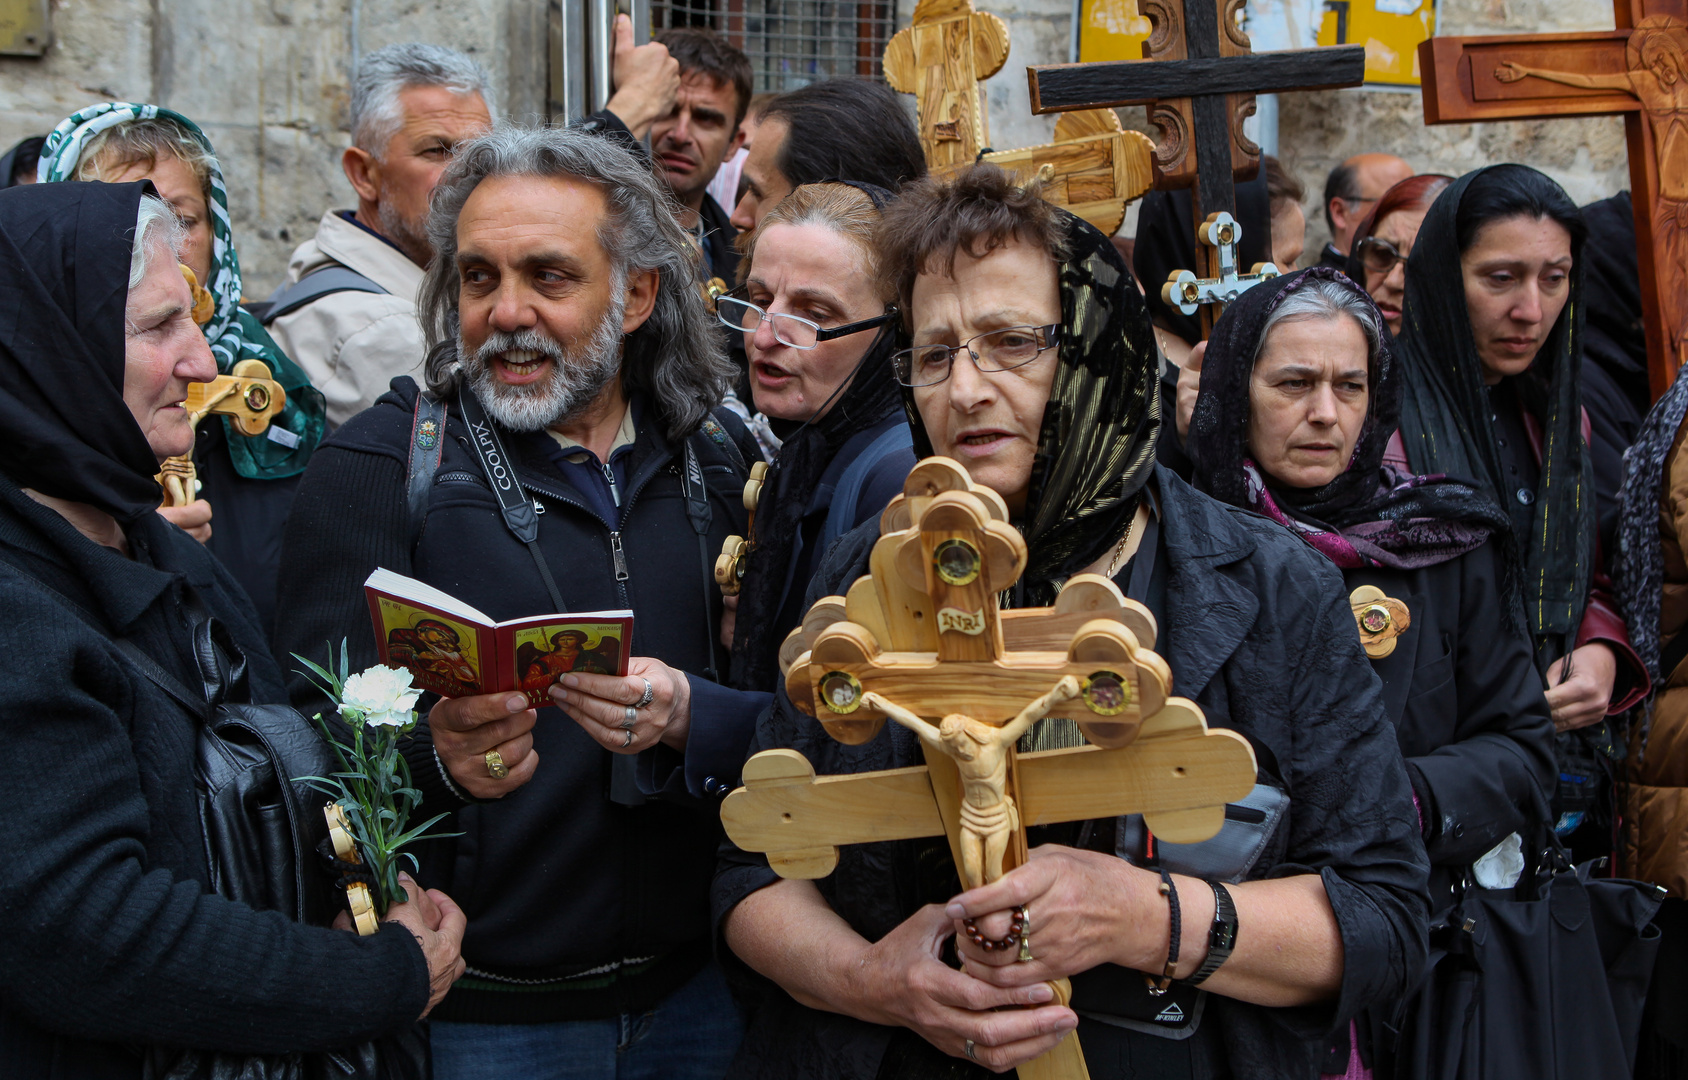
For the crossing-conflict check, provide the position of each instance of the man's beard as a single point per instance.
(575, 379)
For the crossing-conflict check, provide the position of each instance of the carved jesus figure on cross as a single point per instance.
(980, 753)
(1657, 57)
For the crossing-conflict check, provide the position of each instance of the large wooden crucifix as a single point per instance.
(921, 642)
(1092, 168)
(1638, 71)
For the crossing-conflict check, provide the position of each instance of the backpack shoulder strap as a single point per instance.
(427, 443)
(841, 515)
(314, 286)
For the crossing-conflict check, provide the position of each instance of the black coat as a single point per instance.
(110, 935)
(1469, 712)
(1259, 633)
(555, 879)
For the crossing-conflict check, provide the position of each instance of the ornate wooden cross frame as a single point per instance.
(1093, 167)
(247, 394)
(1199, 90)
(1639, 70)
(920, 641)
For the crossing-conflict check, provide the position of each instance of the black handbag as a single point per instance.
(262, 829)
(1543, 981)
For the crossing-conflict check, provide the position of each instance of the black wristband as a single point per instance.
(1221, 936)
(1159, 986)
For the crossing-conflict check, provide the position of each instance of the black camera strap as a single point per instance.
(514, 503)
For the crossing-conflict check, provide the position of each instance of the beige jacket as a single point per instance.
(352, 344)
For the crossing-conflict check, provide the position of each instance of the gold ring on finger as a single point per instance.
(495, 766)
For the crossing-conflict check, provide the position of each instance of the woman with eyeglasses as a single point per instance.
(1378, 260)
(819, 334)
(1034, 365)
(819, 331)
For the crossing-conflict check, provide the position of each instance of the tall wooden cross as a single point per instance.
(920, 641)
(1199, 90)
(1638, 71)
(1094, 166)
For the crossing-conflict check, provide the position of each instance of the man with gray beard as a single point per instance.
(569, 455)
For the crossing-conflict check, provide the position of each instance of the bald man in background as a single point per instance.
(1351, 190)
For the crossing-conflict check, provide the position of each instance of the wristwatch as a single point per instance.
(1221, 936)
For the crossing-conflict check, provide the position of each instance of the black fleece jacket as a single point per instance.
(110, 934)
(579, 907)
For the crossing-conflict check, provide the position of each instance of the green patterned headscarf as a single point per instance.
(234, 335)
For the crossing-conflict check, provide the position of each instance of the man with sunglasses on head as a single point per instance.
(1351, 191)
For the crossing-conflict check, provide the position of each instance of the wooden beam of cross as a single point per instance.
(1199, 89)
(1092, 168)
(920, 641)
(1638, 71)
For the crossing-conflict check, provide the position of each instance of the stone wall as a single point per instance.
(268, 81)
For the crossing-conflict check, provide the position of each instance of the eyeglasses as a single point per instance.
(1379, 256)
(791, 330)
(999, 350)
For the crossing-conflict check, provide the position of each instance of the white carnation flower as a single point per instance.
(383, 696)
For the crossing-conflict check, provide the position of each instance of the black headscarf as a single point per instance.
(790, 485)
(1096, 446)
(1166, 241)
(1447, 424)
(1614, 337)
(68, 433)
(26, 153)
(1384, 518)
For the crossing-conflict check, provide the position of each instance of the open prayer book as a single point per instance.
(454, 650)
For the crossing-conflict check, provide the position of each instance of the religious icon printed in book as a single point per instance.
(545, 654)
(440, 652)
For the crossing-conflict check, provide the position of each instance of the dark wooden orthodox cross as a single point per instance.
(1638, 71)
(1199, 90)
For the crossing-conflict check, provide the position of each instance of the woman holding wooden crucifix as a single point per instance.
(1034, 366)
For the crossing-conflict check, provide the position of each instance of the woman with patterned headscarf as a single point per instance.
(248, 479)
(1034, 366)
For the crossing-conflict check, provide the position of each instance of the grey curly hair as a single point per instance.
(676, 358)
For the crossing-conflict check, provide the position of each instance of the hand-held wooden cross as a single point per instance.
(1639, 71)
(247, 395)
(1094, 166)
(921, 641)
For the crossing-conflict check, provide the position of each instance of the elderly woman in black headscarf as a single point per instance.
(121, 947)
(1034, 366)
(1491, 352)
(1299, 397)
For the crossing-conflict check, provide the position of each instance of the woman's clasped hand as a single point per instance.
(901, 981)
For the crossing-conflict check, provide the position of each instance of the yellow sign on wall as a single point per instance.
(1389, 29)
